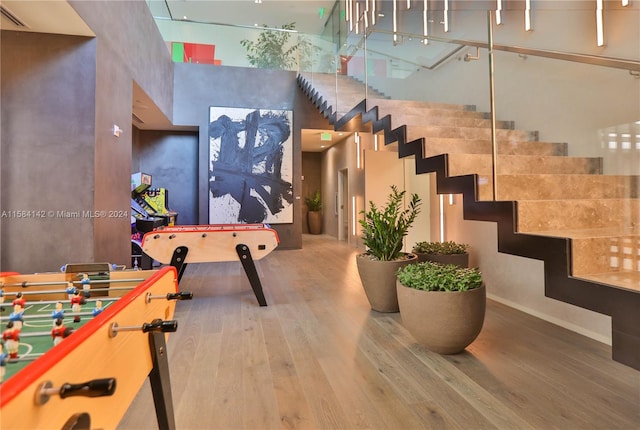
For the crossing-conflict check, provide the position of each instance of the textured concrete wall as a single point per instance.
(61, 96)
(199, 86)
(172, 160)
(47, 150)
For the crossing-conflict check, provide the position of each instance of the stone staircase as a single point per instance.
(581, 223)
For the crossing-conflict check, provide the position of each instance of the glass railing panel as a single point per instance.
(351, 74)
(581, 101)
(572, 90)
(259, 47)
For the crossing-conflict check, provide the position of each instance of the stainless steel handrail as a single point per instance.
(597, 60)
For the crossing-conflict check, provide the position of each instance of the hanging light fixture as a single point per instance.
(446, 15)
(527, 15)
(599, 23)
(425, 21)
(498, 12)
(395, 20)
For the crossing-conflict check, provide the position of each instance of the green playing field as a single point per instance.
(35, 335)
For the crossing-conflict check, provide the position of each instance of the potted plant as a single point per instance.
(383, 231)
(273, 49)
(442, 306)
(314, 215)
(443, 252)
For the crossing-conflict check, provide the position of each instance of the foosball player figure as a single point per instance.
(58, 312)
(86, 287)
(1, 300)
(16, 316)
(76, 305)
(19, 300)
(70, 289)
(98, 309)
(59, 332)
(11, 338)
(3, 362)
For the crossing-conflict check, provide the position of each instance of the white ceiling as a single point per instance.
(59, 17)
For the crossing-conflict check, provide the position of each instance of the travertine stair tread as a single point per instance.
(392, 106)
(416, 120)
(629, 280)
(539, 186)
(590, 233)
(549, 215)
(483, 133)
(453, 145)
(481, 164)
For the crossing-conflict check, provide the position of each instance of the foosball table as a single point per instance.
(180, 245)
(77, 347)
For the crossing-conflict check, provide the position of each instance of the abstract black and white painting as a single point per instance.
(251, 166)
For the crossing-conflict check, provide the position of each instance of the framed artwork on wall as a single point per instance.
(250, 166)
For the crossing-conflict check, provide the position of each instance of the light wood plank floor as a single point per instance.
(318, 358)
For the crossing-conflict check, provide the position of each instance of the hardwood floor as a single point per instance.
(318, 358)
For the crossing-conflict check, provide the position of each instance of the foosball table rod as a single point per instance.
(94, 388)
(157, 325)
(184, 295)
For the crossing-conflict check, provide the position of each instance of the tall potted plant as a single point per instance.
(275, 49)
(442, 306)
(314, 214)
(443, 252)
(383, 231)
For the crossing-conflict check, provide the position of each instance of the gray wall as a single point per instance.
(47, 147)
(61, 96)
(172, 161)
(200, 86)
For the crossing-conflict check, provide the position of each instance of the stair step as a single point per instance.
(535, 216)
(415, 132)
(564, 187)
(465, 164)
(450, 145)
(395, 107)
(441, 117)
(597, 255)
(626, 280)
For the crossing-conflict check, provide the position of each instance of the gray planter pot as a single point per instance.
(445, 322)
(461, 260)
(379, 280)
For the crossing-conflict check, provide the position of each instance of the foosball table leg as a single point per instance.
(250, 269)
(178, 260)
(160, 382)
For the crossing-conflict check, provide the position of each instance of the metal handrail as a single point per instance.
(597, 60)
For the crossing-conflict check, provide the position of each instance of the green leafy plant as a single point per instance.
(274, 49)
(429, 276)
(314, 202)
(442, 248)
(384, 229)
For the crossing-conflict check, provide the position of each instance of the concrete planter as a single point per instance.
(445, 322)
(379, 280)
(461, 260)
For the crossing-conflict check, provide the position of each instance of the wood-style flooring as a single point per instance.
(318, 358)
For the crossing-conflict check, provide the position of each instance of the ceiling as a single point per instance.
(59, 17)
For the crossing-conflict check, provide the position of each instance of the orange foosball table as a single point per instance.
(77, 363)
(180, 245)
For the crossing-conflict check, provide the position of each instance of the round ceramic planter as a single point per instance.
(461, 260)
(445, 322)
(379, 280)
